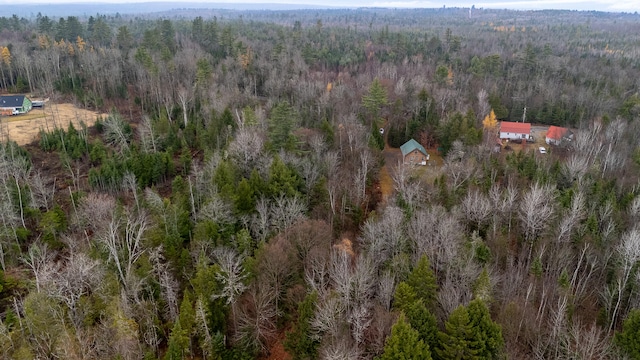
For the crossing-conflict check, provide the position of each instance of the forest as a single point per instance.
(238, 201)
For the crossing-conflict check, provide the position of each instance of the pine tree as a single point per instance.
(178, 343)
(245, 199)
(187, 316)
(629, 339)
(375, 99)
(281, 125)
(404, 296)
(404, 343)
(423, 281)
(482, 287)
(283, 180)
(424, 322)
(486, 331)
(459, 340)
(299, 342)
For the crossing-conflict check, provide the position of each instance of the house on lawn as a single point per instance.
(14, 104)
(515, 130)
(413, 153)
(555, 135)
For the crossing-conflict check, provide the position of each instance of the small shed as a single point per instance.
(515, 130)
(413, 153)
(14, 104)
(556, 134)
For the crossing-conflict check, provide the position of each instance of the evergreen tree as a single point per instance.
(404, 343)
(459, 340)
(187, 315)
(375, 99)
(628, 340)
(299, 342)
(424, 322)
(404, 296)
(245, 199)
(482, 287)
(487, 333)
(423, 281)
(281, 124)
(178, 343)
(283, 180)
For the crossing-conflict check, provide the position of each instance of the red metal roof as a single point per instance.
(515, 127)
(556, 132)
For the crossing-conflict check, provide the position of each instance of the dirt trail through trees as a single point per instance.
(25, 128)
(391, 158)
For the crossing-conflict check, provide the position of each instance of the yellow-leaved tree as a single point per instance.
(6, 55)
(43, 41)
(490, 122)
(80, 43)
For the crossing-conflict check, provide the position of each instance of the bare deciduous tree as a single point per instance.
(40, 260)
(587, 342)
(217, 210)
(386, 288)
(384, 238)
(122, 239)
(572, 218)
(185, 94)
(483, 104)
(536, 210)
(476, 208)
(261, 220)
(286, 211)
(328, 318)
(42, 190)
(257, 318)
(628, 256)
(168, 283)
(231, 276)
(246, 148)
(148, 137)
(114, 133)
(435, 233)
(411, 189)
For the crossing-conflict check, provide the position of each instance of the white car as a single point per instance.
(542, 150)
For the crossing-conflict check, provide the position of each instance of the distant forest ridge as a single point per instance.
(79, 9)
(234, 10)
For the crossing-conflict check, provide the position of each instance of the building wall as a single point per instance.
(553, 141)
(415, 157)
(26, 105)
(513, 136)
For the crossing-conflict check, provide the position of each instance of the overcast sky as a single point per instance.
(600, 5)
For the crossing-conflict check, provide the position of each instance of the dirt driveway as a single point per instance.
(25, 128)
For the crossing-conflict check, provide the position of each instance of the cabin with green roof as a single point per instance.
(413, 153)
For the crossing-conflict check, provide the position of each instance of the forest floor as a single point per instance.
(25, 128)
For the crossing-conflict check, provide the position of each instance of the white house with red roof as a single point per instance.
(556, 134)
(515, 130)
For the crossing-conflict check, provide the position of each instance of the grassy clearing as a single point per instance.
(25, 128)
